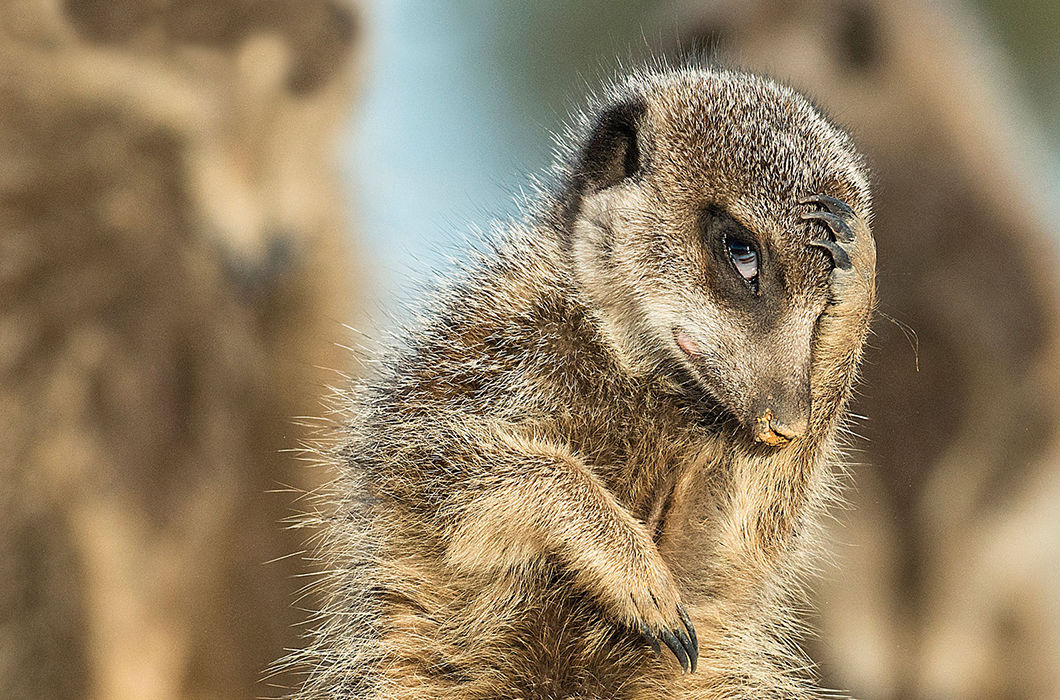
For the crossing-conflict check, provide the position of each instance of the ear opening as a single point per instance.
(612, 153)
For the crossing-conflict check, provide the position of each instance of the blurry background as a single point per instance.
(196, 194)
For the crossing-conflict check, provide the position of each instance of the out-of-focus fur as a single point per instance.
(949, 560)
(173, 269)
(537, 472)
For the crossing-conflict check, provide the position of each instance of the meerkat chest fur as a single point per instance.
(611, 434)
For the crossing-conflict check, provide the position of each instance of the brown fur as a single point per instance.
(538, 471)
(172, 269)
(961, 421)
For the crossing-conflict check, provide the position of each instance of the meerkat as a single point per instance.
(174, 259)
(593, 469)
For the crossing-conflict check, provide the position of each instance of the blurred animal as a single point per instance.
(173, 268)
(949, 562)
(614, 429)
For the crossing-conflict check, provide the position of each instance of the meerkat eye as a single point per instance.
(745, 260)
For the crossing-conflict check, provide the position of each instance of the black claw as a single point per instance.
(839, 256)
(691, 633)
(839, 226)
(651, 639)
(686, 644)
(675, 646)
(833, 205)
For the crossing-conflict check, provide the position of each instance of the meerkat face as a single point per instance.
(687, 237)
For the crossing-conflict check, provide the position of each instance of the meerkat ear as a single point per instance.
(612, 153)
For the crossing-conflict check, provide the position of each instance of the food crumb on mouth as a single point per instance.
(765, 433)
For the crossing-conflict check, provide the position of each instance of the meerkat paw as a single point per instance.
(652, 607)
(853, 254)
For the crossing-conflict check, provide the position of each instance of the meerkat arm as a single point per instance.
(844, 324)
(547, 501)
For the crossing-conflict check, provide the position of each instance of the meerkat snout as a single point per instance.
(782, 414)
(779, 408)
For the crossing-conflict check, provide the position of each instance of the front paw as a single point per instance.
(647, 601)
(853, 253)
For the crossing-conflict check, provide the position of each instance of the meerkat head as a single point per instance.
(683, 208)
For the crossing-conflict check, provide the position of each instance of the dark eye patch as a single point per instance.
(735, 250)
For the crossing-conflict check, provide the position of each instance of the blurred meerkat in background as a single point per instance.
(173, 269)
(949, 561)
